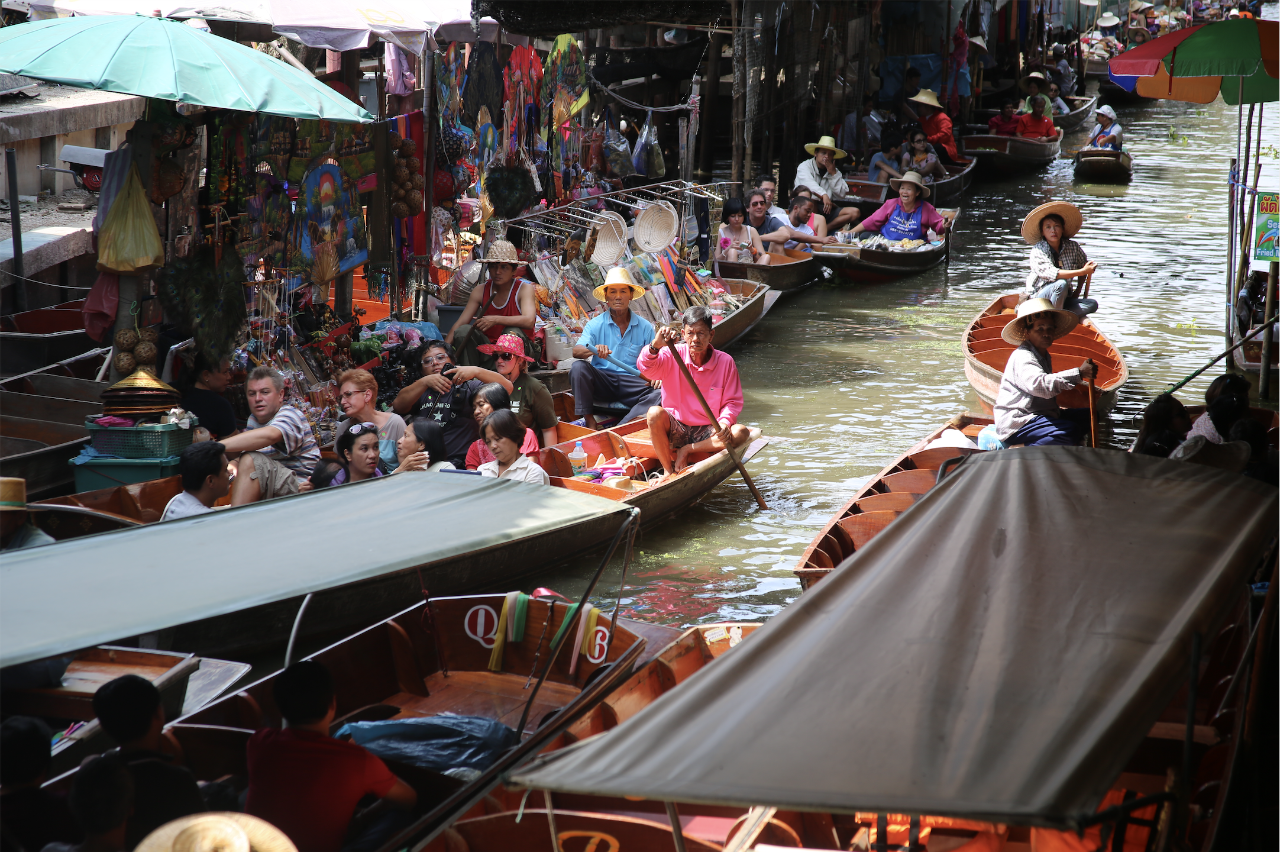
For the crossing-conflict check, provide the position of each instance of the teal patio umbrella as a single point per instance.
(168, 60)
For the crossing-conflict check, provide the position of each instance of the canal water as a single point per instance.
(845, 377)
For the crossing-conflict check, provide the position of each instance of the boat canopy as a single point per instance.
(84, 591)
(998, 652)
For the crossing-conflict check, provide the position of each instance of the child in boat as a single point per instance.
(736, 240)
(308, 784)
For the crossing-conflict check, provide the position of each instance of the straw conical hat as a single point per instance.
(217, 832)
(1071, 218)
(1014, 332)
(926, 97)
(141, 379)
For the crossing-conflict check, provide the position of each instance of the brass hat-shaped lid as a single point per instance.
(142, 379)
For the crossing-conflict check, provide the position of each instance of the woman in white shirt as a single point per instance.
(504, 433)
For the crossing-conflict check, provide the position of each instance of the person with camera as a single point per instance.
(443, 395)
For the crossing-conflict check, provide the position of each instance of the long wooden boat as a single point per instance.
(945, 193)
(1010, 153)
(886, 496)
(866, 195)
(788, 271)
(875, 265)
(1081, 108)
(37, 337)
(38, 450)
(1102, 165)
(986, 353)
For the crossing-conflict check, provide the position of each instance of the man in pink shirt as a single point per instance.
(680, 424)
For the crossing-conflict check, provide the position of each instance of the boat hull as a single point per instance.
(1095, 165)
(986, 353)
(789, 272)
(878, 265)
(1081, 109)
(729, 330)
(1010, 152)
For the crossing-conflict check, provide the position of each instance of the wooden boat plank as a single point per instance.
(789, 271)
(1010, 152)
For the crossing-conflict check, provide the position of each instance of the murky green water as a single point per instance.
(845, 377)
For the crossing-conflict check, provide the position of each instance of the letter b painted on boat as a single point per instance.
(594, 840)
(481, 624)
(599, 645)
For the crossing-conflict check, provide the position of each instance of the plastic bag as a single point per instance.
(435, 742)
(617, 150)
(129, 240)
(640, 159)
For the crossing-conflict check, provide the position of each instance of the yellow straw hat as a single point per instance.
(1071, 218)
(500, 252)
(618, 275)
(1037, 77)
(13, 494)
(912, 178)
(926, 97)
(1015, 331)
(217, 832)
(828, 142)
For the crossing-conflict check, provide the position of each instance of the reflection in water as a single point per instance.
(845, 377)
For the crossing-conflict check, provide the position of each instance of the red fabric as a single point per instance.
(478, 453)
(307, 784)
(1042, 127)
(937, 129)
(510, 309)
(100, 308)
(1001, 126)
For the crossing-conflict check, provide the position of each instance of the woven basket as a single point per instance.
(656, 226)
(611, 240)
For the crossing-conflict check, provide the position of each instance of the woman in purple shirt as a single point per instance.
(906, 217)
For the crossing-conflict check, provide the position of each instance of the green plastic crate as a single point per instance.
(153, 441)
(108, 473)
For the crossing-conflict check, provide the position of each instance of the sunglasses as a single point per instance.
(757, 204)
(504, 356)
(349, 394)
(361, 428)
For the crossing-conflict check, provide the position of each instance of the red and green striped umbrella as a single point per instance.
(1234, 58)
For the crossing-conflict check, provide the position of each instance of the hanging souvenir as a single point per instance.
(334, 240)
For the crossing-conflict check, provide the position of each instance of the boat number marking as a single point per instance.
(599, 645)
(593, 845)
(481, 624)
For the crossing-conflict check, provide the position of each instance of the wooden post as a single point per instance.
(710, 105)
(1264, 369)
(739, 91)
(1231, 269)
(15, 219)
(1246, 239)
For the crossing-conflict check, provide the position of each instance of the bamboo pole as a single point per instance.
(1231, 268)
(1264, 365)
(739, 89)
(1242, 268)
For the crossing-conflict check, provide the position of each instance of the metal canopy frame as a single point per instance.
(560, 222)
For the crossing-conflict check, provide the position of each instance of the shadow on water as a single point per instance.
(846, 377)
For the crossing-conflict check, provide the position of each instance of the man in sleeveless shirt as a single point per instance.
(504, 304)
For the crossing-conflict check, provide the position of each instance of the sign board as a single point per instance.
(1266, 221)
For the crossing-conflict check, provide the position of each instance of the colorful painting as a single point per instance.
(334, 240)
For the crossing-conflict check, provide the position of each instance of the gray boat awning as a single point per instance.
(998, 652)
(85, 591)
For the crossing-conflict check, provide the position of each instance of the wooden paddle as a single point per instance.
(1093, 419)
(697, 391)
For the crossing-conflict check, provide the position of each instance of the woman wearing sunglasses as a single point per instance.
(530, 399)
(357, 450)
(358, 397)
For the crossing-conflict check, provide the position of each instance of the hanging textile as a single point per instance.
(400, 80)
(483, 85)
(565, 94)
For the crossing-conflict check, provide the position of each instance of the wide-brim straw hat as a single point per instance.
(1229, 455)
(1034, 75)
(13, 494)
(656, 226)
(1139, 5)
(618, 275)
(1108, 20)
(828, 142)
(913, 178)
(926, 97)
(979, 42)
(1014, 333)
(500, 252)
(611, 239)
(225, 832)
(1071, 218)
(506, 343)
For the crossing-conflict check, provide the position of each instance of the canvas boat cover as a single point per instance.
(86, 591)
(998, 652)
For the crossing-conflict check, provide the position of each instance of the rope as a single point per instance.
(685, 107)
(45, 283)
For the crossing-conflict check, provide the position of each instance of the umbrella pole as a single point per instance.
(1246, 233)
(1264, 369)
(1231, 257)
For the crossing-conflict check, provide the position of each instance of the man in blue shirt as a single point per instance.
(619, 333)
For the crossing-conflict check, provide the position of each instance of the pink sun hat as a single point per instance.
(509, 343)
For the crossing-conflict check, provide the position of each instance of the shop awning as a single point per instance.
(86, 591)
(998, 652)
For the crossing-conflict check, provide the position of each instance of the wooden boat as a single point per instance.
(1010, 153)
(1081, 109)
(33, 338)
(986, 353)
(788, 271)
(876, 265)
(1102, 165)
(1249, 307)
(889, 493)
(945, 193)
(867, 196)
(39, 451)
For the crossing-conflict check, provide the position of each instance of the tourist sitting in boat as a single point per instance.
(1063, 74)
(421, 447)
(130, 711)
(816, 221)
(1107, 133)
(799, 218)
(1262, 464)
(768, 184)
(1034, 85)
(1060, 106)
(530, 399)
(16, 530)
(1165, 424)
(680, 424)
(736, 240)
(31, 816)
(488, 399)
(1036, 125)
(100, 806)
(358, 399)
(1005, 122)
(503, 434)
(1107, 25)
(505, 304)
(921, 159)
(826, 182)
(618, 333)
(204, 397)
(1026, 409)
(937, 127)
(1056, 258)
(776, 233)
(357, 450)
(444, 394)
(883, 162)
(306, 783)
(206, 479)
(1226, 401)
(278, 449)
(907, 217)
